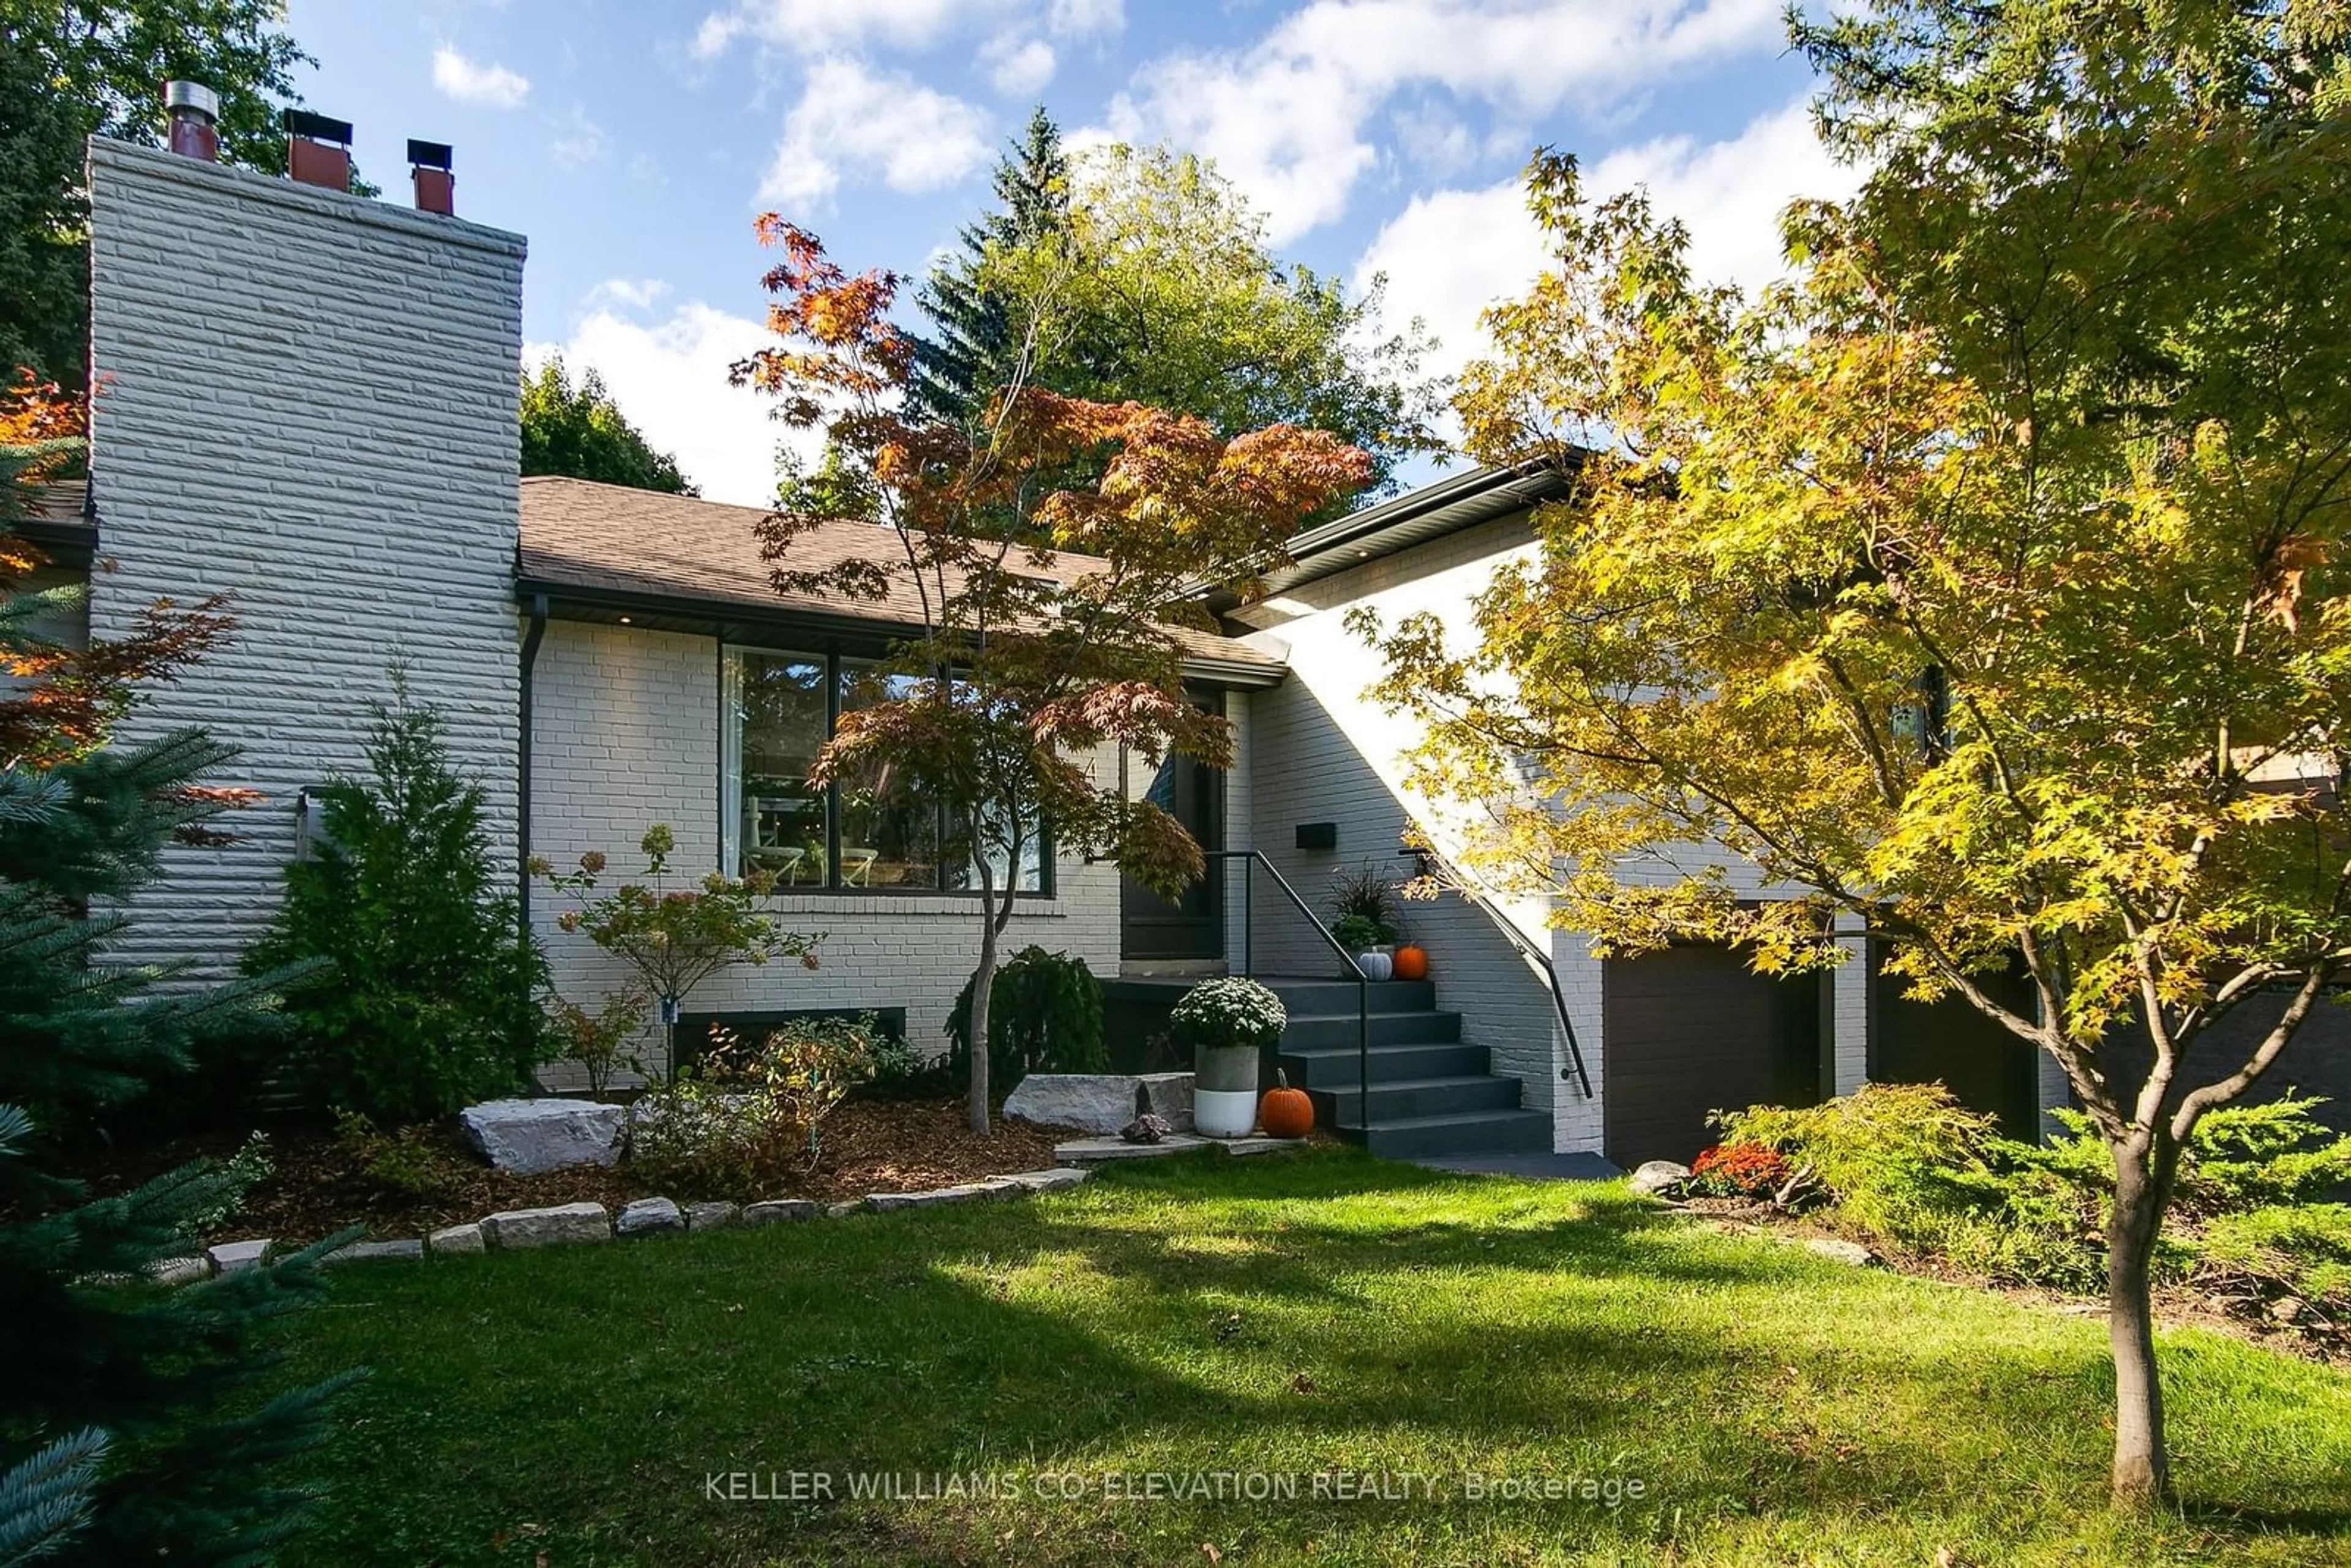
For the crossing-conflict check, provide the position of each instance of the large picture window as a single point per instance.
(880, 829)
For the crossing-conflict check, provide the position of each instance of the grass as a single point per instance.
(1319, 1313)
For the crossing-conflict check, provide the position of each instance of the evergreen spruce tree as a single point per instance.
(972, 350)
(430, 1003)
(139, 1422)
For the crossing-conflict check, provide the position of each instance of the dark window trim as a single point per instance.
(832, 659)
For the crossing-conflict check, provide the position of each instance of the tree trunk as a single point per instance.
(2142, 1470)
(983, 982)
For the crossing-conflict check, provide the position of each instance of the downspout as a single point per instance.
(530, 642)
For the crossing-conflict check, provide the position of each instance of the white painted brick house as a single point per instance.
(308, 403)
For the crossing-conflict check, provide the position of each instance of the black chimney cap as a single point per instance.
(318, 127)
(428, 154)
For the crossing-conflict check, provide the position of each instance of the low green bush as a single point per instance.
(2300, 1250)
(1909, 1166)
(752, 1113)
(1044, 1015)
(1900, 1159)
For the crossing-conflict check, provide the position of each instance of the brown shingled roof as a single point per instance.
(615, 539)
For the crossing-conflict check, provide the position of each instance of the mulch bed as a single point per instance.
(320, 1186)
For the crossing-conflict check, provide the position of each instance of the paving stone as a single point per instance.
(647, 1217)
(409, 1249)
(560, 1226)
(231, 1256)
(1052, 1180)
(456, 1239)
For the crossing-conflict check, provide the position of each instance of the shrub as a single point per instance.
(1232, 1012)
(1900, 1158)
(405, 1164)
(751, 1114)
(603, 1042)
(902, 1073)
(240, 1173)
(2301, 1249)
(429, 1005)
(674, 939)
(1740, 1170)
(1044, 1015)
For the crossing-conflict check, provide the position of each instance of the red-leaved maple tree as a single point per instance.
(1045, 616)
(63, 694)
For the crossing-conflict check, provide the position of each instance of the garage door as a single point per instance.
(1690, 1031)
(1951, 1043)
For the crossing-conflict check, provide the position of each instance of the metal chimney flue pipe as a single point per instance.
(194, 112)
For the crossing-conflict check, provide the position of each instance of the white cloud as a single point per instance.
(850, 118)
(1730, 193)
(474, 82)
(577, 139)
(636, 293)
(670, 377)
(803, 27)
(1017, 69)
(1450, 254)
(1286, 118)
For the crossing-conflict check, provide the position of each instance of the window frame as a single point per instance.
(730, 792)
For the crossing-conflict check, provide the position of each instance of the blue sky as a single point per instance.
(633, 143)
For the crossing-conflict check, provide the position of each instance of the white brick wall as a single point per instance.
(306, 401)
(625, 733)
(1321, 752)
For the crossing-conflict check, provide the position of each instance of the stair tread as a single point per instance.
(1455, 1118)
(1442, 1080)
(1351, 1015)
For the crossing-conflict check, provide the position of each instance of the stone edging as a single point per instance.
(517, 1229)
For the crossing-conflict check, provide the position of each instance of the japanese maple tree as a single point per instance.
(1983, 587)
(1024, 668)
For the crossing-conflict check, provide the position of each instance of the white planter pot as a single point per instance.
(1224, 1090)
(1376, 964)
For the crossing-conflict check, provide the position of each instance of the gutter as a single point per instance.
(530, 642)
(835, 633)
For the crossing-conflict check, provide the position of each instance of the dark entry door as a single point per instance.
(1690, 1031)
(1191, 927)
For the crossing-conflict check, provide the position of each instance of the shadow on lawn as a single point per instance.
(594, 1391)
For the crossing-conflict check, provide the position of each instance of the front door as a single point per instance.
(1190, 927)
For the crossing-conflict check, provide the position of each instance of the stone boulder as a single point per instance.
(529, 1137)
(1658, 1178)
(779, 1210)
(234, 1257)
(1841, 1251)
(555, 1227)
(713, 1216)
(1099, 1101)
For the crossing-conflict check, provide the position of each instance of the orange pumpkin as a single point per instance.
(1411, 962)
(1285, 1113)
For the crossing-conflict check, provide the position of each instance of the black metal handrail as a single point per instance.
(1256, 858)
(1513, 934)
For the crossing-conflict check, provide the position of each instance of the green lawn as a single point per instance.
(1269, 1318)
